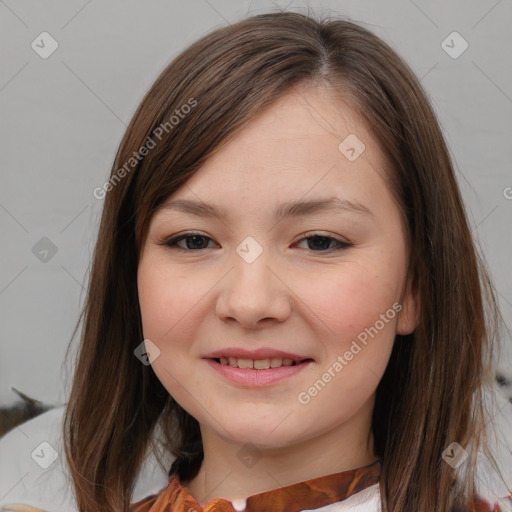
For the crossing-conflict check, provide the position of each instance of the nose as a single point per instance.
(254, 293)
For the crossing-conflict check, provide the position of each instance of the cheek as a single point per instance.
(352, 299)
(165, 299)
(166, 302)
(170, 305)
(156, 301)
(358, 310)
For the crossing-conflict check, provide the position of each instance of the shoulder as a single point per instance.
(34, 470)
(32, 464)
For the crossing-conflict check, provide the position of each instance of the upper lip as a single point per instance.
(260, 353)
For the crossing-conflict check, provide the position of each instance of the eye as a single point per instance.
(196, 241)
(323, 242)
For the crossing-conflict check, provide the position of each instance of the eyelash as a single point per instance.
(172, 242)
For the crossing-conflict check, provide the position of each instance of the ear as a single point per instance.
(409, 316)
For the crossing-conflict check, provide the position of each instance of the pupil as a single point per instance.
(325, 239)
(196, 238)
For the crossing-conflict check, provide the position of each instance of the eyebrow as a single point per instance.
(290, 209)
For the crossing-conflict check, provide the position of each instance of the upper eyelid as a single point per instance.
(303, 235)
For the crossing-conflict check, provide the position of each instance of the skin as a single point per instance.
(293, 297)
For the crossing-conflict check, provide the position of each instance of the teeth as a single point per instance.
(262, 364)
(245, 363)
(276, 362)
(258, 364)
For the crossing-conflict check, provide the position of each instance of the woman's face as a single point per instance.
(247, 286)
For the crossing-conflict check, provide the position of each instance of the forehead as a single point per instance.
(306, 113)
(310, 137)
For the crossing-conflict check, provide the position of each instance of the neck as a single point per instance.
(234, 471)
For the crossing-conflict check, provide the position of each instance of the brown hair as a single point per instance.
(431, 392)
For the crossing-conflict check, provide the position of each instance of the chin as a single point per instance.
(259, 434)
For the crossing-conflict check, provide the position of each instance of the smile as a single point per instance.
(258, 364)
(257, 372)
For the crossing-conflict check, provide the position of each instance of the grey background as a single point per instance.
(63, 117)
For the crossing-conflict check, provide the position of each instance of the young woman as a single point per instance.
(285, 280)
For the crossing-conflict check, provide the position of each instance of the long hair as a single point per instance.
(431, 392)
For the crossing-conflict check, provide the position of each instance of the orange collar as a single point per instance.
(311, 494)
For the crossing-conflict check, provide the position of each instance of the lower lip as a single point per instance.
(255, 378)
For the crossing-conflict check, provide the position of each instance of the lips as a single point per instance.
(253, 377)
(258, 367)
